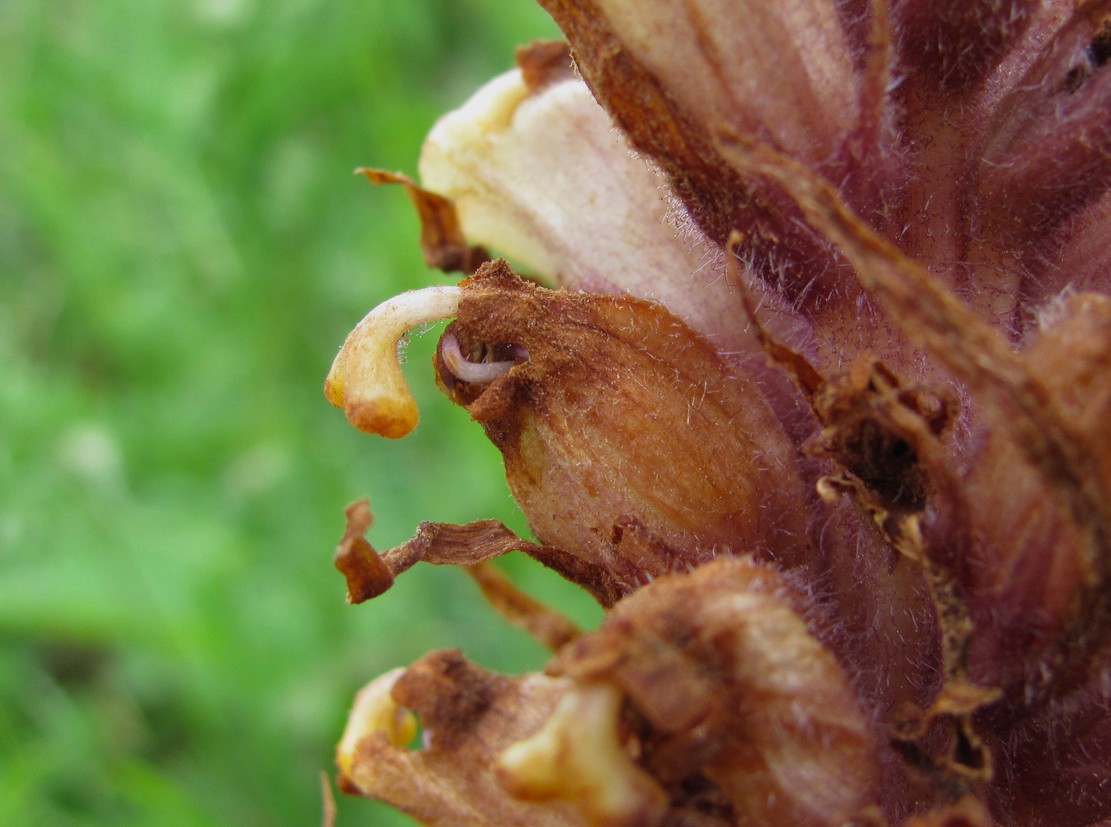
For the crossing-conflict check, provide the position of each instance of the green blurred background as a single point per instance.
(183, 248)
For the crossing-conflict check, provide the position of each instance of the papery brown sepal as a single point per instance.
(370, 573)
(441, 235)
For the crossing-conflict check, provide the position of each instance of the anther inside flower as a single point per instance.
(813, 402)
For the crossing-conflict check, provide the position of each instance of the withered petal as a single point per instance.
(467, 716)
(911, 197)
(367, 574)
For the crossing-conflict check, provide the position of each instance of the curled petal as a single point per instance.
(367, 574)
(441, 236)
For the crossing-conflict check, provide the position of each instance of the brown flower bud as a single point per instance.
(732, 687)
(602, 424)
(467, 717)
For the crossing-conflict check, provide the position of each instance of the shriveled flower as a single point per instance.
(816, 401)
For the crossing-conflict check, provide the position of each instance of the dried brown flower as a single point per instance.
(815, 403)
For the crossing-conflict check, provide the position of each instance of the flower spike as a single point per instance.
(852, 533)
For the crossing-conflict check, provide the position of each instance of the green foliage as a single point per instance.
(183, 248)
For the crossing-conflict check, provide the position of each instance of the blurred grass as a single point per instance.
(182, 249)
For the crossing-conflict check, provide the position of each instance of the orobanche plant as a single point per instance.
(805, 375)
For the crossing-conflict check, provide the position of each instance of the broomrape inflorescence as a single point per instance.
(815, 402)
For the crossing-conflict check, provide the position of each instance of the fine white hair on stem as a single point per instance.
(366, 378)
(481, 373)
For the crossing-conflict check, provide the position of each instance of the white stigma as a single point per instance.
(480, 373)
